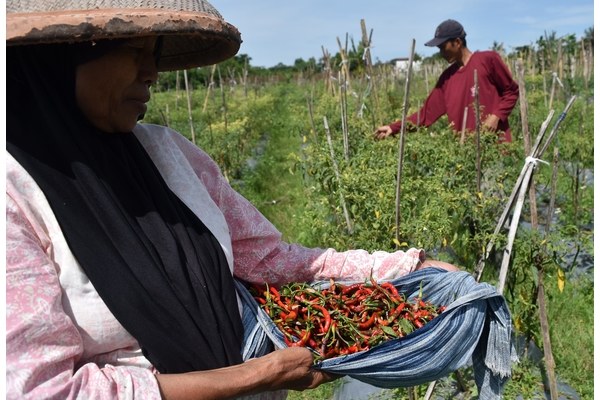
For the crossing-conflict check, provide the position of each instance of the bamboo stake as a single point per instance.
(429, 391)
(559, 60)
(481, 263)
(211, 84)
(177, 90)
(514, 224)
(545, 85)
(311, 116)
(189, 105)
(337, 176)
(548, 357)
(550, 211)
(553, 89)
(366, 40)
(223, 99)
(344, 116)
(245, 78)
(541, 296)
(412, 393)
(327, 69)
(523, 106)
(165, 117)
(477, 133)
(426, 80)
(528, 168)
(526, 138)
(561, 117)
(401, 141)
(344, 67)
(464, 126)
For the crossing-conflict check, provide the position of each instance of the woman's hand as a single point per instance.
(294, 369)
(289, 368)
(439, 264)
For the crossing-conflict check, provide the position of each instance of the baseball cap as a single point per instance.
(448, 29)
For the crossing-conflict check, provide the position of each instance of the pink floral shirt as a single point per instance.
(62, 341)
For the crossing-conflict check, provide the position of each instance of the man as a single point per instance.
(455, 89)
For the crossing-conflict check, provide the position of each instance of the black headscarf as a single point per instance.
(157, 267)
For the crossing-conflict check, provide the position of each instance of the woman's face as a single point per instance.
(112, 90)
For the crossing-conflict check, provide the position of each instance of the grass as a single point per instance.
(272, 186)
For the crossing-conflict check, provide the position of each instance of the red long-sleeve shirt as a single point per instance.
(498, 94)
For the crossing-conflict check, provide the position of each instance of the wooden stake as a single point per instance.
(523, 106)
(464, 126)
(327, 70)
(541, 297)
(481, 263)
(366, 41)
(545, 85)
(477, 134)
(516, 215)
(343, 53)
(223, 99)
(548, 357)
(311, 116)
(429, 391)
(526, 139)
(209, 89)
(177, 90)
(401, 141)
(514, 224)
(189, 105)
(344, 115)
(337, 176)
(553, 89)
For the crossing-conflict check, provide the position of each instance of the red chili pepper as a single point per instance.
(341, 319)
(349, 349)
(274, 291)
(391, 288)
(368, 322)
(326, 316)
(302, 341)
(291, 316)
(351, 288)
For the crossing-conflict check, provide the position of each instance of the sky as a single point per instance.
(279, 31)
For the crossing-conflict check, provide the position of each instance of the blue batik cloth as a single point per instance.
(475, 327)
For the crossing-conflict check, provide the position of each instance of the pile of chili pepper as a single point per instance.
(342, 319)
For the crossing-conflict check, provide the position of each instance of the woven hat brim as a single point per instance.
(191, 39)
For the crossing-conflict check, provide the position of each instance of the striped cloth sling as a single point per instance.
(475, 328)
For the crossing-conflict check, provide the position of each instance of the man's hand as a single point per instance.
(382, 132)
(491, 123)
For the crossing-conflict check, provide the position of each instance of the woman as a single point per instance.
(123, 239)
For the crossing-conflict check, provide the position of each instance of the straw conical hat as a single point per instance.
(194, 32)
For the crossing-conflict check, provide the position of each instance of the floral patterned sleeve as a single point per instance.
(43, 346)
(260, 254)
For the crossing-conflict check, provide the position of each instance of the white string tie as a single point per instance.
(534, 161)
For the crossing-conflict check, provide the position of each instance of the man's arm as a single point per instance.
(507, 88)
(433, 108)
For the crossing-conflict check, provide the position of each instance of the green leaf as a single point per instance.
(405, 326)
